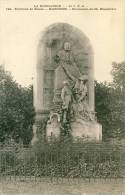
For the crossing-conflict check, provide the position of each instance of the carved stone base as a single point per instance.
(35, 137)
(87, 130)
(39, 127)
(39, 132)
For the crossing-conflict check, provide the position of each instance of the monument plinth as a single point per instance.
(64, 92)
(87, 130)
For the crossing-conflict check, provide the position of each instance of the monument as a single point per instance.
(64, 91)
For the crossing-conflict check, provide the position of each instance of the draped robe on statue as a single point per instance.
(66, 71)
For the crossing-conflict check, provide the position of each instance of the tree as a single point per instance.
(110, 102)
(118, 96)
(102, 98)
(118, 73)
(16, 109)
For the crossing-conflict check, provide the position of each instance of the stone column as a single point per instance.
(91, 83)
(41, 113)
(39, 80)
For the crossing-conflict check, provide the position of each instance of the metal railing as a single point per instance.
(74, 163)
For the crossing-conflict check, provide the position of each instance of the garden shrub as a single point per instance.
(65, 159)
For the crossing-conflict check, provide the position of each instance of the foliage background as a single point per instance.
(16, 109)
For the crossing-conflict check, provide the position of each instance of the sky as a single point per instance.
(20, 32)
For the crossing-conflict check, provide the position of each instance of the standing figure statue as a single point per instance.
(66, 96)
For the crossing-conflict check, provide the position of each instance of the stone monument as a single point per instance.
(64, 91)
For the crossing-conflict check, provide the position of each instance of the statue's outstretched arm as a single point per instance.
(71, 77)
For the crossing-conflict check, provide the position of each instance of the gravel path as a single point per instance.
(73, 187)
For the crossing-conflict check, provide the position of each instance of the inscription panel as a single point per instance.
(47, 97)
(48, 78)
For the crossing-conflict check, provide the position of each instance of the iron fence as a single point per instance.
(74, 163)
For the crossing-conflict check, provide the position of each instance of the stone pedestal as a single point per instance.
(87, 130)
(39, 127)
